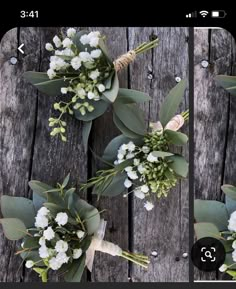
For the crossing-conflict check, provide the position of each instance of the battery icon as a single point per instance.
(218, 14)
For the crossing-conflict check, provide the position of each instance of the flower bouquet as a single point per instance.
(82, 70)
(147, 165)
(60, 231)
(218, 220)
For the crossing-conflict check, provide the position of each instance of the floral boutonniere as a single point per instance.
(147, 166)
(82, 70)
(60, 231)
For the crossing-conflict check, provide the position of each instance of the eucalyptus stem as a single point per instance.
(146, 46)
(138, 259)
(185, 114)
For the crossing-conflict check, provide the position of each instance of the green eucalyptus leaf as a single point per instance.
(125, 130)
(160, 154)
(179, 165)
(66, 180)
(132, 96)
(75, 271)
(34, 256)
(227, 82)
(176, 138)
(14, 229)
(211, 212)
(230, 191)
(171, 103)
(229, 261)
(31, 243)
(203, 230)
(131, 116)
(111, 94)
(85, 243)
(48, 86)
(19, 208)
(38, 201)
(230, 205)
(108, 81)
(87, 125)
(103, 47)
(39, 188)
(53, 208)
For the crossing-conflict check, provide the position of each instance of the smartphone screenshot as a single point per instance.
(118, 150)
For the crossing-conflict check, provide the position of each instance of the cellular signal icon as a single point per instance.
(192, 15)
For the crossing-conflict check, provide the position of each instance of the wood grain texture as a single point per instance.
(214, 118)
(165, 228)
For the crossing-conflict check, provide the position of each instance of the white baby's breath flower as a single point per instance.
(70, 32)
(64, 90)
(57, 41)
(62, 258)
(141, 169)
(223, 268)
(42, 241)
(131, 146)
(67, 42)
(130, 156)
(43, 211)
(120, 156)
(145, 149)
(51, 73)
(76, 62)
(67, 52)
(85, 56)
(90, 95)
(148, 206)
(234, 244)
(96, 53)
(139, 194)
(136, 162)
(77, 253)
(29, 264)
(132, 175)
(80, 234)
(94, 74)
(61, 219)
(144, 188)
(94, 38)
(49, 234)
(151, 158)
(84, 39)
(49, 47)
(61, 246)
(232, 222)
(127, 183)
(43, 252)
(54, 264)
(101, 87)
(58, 63)
(128, 169)
(124, 147)
(41, 221)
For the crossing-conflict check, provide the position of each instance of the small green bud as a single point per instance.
(63, 129)
(74, 98)
(63, 138)
(82, 110)
(86, 104)
(90, 108)
(56, 106)
(51, 119)
(51, 123)
(63, 123)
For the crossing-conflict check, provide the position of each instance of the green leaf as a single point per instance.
(53, 208)
(112, 93)
(75, 271)
(108, 81)
(89, 214)
(34, 256)
(230, 191)
(125, 130)
(231, 273)
(66, 180)
(19, 208)
(78, 44)
(227, 82)
(39, 188)
(203, 230)
(131, 116)
(87, 125)
(38, 201)
(103, 47)
(114, 188)
(171, 103)
(229, 261)
(31, 242)
(160, 154)
(132, 96)
(230, 205)
(211, 212)
(176, 138)
(99, 109)
(48, 86)
(85, 243)
(14, 229)
(179, 165)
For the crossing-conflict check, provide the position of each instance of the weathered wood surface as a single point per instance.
(214, 119)
(27, 152)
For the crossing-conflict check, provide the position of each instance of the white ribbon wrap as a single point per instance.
(98, 244)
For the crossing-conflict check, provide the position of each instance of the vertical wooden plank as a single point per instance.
(107, 268)
(211, 115)
(165, 228)
(17, 114)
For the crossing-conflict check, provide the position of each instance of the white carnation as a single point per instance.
(57, 41)
(144, 188)
(101, 87)
(130, 156)
(71, 32)
(67, 52)
(80, 234)
(43, 211)
(67, 42)
(29, 264)
(94, 38)
(139, 194)
(77, 253)
(51, 73)
(84, 39)
(145, 149)
(76, 63)
(49, 47)
(85, 56)
(148, 206)
(49, 234)
(62, 258)
(132, 175)
(61, 219)
(232, 222)
(61, 246)
(151, 158)
(96, 53)
(94, 74)
(43, 252)
(127, 183)
(54, 264)
(41, 221)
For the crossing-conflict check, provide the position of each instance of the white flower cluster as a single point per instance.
(47, 226)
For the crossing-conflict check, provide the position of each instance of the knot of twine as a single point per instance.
(124, 60)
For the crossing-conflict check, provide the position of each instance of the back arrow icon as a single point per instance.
(20, 48)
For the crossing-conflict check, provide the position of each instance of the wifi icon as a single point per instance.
(203, 13)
